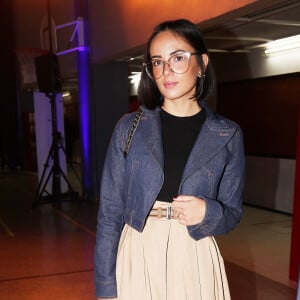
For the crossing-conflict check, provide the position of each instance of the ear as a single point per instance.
(205, 60)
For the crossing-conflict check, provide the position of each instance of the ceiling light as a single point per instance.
(283, 45)
(66, 94)
(135, 77)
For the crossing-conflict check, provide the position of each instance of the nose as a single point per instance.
(168, 69)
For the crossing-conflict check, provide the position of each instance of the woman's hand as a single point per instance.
(189, 210)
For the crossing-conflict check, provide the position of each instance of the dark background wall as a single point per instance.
(10, 143)
(111, 94)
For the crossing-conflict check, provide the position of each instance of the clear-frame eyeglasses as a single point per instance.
(179, 63)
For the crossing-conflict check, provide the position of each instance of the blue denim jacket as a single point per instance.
(129, 187)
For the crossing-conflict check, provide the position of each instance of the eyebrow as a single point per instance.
(172, 53)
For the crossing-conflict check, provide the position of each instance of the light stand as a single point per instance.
(49, 82)
(56, 172)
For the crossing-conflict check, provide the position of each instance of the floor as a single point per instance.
(47, 252)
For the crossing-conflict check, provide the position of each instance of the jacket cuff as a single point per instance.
(106, 289)
(209, 223)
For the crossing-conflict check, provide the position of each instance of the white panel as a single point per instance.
(253, 65)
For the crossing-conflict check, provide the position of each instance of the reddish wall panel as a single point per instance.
(295, 243)
(266, 109)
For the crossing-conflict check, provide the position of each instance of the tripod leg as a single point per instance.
(66, 180)
(42, 184)
(61, 146)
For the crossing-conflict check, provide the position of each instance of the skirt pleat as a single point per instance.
(164, 263)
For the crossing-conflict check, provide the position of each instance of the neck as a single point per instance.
(186, 109)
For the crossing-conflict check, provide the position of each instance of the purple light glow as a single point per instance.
(85, 116)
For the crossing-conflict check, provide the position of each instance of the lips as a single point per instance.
(169, 84)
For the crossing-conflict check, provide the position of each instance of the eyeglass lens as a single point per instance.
(178, 63)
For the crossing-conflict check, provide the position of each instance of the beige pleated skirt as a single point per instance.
(165, 263)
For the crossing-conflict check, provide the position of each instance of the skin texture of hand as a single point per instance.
(189, 210)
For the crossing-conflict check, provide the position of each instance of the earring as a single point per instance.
(200, 75)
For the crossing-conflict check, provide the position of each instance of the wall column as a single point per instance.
(295, 240)
(87, 136)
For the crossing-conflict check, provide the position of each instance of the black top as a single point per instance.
(178, 136)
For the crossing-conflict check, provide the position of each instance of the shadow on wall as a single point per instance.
(268, 183)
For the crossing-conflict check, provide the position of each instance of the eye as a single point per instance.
(156, 63)
(178, 58)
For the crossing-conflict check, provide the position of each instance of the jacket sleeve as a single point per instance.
(224, 212)
(110, 216)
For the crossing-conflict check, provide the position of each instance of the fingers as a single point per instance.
(183, 198)
(179, 212)
(181, 203)
(178, 207)
(182, 219)
(188, 210)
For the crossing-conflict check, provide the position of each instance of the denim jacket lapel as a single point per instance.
(150, 127)
(214, 135)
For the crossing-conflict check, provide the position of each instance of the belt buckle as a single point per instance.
(169, 213)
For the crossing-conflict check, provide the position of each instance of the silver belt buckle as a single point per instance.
(169, 213)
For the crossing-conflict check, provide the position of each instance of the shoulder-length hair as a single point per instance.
(148, 93)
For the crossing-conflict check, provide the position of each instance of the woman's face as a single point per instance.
(173, 86)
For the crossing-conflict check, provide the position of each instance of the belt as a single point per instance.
(162, 212)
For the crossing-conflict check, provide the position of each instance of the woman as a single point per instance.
(179, 184)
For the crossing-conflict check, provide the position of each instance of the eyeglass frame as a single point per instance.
(189, 54)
